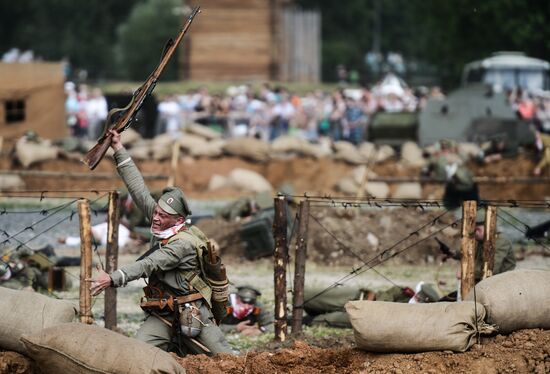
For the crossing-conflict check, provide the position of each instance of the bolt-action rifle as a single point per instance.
(120, 119)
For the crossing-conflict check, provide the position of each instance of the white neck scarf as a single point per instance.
(164, 234)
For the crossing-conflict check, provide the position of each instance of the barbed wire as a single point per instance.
(520, 230)
(355, 272)
(348, 249)
(345, 202)
(70, 217)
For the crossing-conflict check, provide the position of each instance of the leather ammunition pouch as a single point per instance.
(155, 300)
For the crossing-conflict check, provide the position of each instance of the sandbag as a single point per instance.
(381, 326)
(11, 182)
(24, 312)
(129, 137)
(141, 150)
(29, 153)
(291, 144)
(189, 143)
(347, 186)
(411, 155)
(248, 180)
(379, 190)
(368, 151)
(384, 153)
(249, 148)
(213, 148)
(204, 132)
(162, 147)
(80, 349)
(515, 300)
(411, 190)
(217, 181)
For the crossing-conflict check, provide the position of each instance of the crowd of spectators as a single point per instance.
(270, 112)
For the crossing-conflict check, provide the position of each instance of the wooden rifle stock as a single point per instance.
(95, 155)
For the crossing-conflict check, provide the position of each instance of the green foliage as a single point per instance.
(54, 29)
(142, 37)
(446, 34)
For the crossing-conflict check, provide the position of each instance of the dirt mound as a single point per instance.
(526, 351)
(15, 363)
(349, 236)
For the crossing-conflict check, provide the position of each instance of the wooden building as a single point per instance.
(243, 40)
(32, 98)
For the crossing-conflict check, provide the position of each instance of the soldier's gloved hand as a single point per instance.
(252, 331)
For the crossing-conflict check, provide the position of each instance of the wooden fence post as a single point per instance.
(280, 262)
(85, 261)
(489, 241)
(111, 258)
(300, 267)
(468, 246)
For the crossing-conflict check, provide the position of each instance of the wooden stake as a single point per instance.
(111, 258)
(280, 262)
(174, 165)
(489, 241)
(300, 268)
(468, 245)
(85, 261)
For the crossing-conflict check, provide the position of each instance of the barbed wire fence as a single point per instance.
(394, 250)
(16, 243)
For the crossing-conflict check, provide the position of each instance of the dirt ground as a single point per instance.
(526, 351)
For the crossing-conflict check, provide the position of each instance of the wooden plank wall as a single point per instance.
(300, 50)
(230, 40)
(247, 40)
(40, 86)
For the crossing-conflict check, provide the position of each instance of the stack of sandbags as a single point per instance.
(248, 148)
(30, 152)
(24, 312)
(80, 348)
(292, 145)
(347, 152)
(396, 327)
(248, 180)
(515, 300)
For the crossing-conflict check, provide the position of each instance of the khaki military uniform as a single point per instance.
(505, 259)
(328, 308)
(166, 269)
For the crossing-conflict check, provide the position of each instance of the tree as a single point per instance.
(141, 39)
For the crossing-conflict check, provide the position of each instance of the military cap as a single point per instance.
(480, 217)
(248, 294)
(173, 201)
(428, 294)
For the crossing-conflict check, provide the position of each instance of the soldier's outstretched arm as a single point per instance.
(131, 176)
